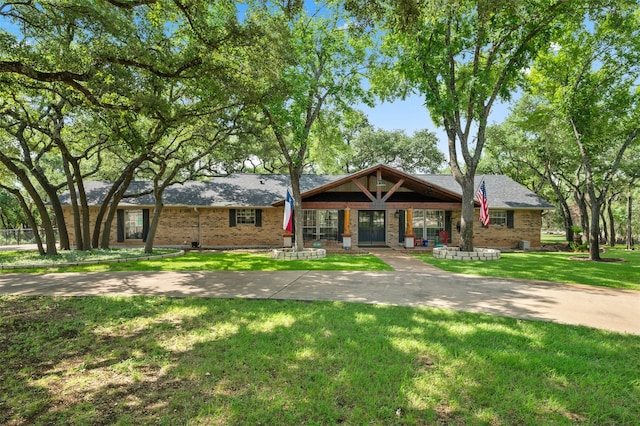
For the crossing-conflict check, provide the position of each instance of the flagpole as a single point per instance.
(478, 187)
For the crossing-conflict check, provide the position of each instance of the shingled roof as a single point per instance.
(237, 190)
(263, 190)
(502, 191)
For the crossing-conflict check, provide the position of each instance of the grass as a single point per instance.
(33, 257)
(236, 261)
(546, 266)
(553, 266)
(148, 360)
(547, 238)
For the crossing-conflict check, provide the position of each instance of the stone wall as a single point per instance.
(306, 254)
(455, 254)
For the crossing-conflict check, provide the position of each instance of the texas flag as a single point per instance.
(287, 224)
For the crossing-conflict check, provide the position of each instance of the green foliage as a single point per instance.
(578, 247)
(11, 214)
(368, 147)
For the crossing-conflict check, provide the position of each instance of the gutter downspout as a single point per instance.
(195, 209)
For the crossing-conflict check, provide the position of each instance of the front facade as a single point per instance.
(379, 206)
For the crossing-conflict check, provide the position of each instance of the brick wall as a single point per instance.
(526, 226)
(210, 227)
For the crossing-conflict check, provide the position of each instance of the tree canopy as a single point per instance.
(168, 90)
(462, 56)
(580, 114)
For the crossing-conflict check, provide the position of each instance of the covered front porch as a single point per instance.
(378, 207)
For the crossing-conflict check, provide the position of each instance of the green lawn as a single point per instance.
(197, 261)
(547, 266)
(553, 238)
(156, 360)
(553, 266)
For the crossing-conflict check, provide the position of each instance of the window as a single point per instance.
(428, 223)
(498, 217)
(320, 224)
(246, 216)
(133, 224)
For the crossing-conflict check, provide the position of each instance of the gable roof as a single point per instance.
(389, 174)
(265, 190)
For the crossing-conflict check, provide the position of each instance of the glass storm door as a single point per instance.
(371, 227)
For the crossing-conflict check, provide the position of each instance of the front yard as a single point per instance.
(158, 360)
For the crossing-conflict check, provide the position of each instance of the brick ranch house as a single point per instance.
(246, 210)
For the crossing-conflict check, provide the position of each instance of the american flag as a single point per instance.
(481, 195)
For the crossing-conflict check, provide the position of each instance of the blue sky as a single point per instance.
(411, 115)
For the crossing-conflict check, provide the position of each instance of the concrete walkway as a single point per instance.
(413, 283)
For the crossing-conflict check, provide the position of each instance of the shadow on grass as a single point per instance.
(231, 261)
(556, 267)
(151, 359)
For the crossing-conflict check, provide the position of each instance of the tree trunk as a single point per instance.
(153, 225)
(50, 235)
(158, 191)
(298, 217)
(73, 197)
(32, 220)
(604, 229)
(113, 207)
(49, 232)
(54, 201)
(612, 225)
(594, 232)
(468, 213)
(629, 216)
(127, 175)
(59, 215)
(568, 226)
(104, 207)
(84, 206)
(584, 213)
(106, 229)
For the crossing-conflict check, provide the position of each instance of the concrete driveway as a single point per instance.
(413, 283)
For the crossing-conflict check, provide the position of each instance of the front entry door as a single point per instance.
(371, 227)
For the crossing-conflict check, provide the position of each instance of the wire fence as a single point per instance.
(9, 237)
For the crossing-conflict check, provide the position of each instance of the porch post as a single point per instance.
(409, 237)
(346, 236)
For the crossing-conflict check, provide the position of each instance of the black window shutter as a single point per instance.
(258, 217)
(401, 227)
(145, 224)
(120, 225)
(447, 224)
(509, 218)
(232, 217)
(340, 224)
